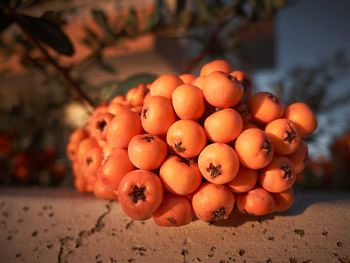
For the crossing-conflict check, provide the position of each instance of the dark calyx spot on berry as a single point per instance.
(88, 161)
(229, 76)
(273, 98)
(219, 214)
(101, 125)
(214, 170)
(138, 194)
(291, 134)
(187, 161)
(144, 112)
(267, 146)
(148, 138)
(287, 171)
(171, 220)
(306, 157)
(245, 84)
(178, 147)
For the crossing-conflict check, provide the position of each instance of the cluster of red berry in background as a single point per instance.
(187, 146)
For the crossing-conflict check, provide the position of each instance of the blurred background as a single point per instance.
(60, 57)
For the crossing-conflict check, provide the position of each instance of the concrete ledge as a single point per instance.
(63, 226)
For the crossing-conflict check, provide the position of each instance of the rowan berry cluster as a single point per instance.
(187, 146)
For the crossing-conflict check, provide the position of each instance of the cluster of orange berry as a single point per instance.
(187, 146)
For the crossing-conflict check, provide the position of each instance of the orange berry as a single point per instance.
(147, 151)
(83, 147)
(71, 150)
(140, 193)
(245, 81)
(80, 184)
(222, 90)
(244, 181)
(137, 109)
(265, 107)
(92, 161)
(114, 168)
(254, 148)
(218, 163)
(278, 176)
(249, 125)
(299, 157)
(180, 176)
(186, 138)
(99, 125)
(174, 211)
(223, 126)
(283, 200)
(78, 135)
(125, 125)
(157, 115)
(215, 65)
(187, 78)
(106, 151)
(165, 85)
(101, 192)
(212, 202)
(199, 82)
(243, 110)
(76, 167)
(90, 183)
(257, 202)
(135, 95)
(284, 135)
(115, 108)
(119, 99)
(303, 117)
(188, 102)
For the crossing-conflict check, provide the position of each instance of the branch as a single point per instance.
(59, 69)
(206, 48)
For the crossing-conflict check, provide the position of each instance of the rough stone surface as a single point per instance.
(63, 226)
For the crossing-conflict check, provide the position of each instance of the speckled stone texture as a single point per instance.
(64, 226)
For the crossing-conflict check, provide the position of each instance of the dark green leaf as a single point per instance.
(204, 15)
(5, 21)
(87, 42)
(102, 21)
(90, 33)
(185, 19)
(26, 3)
(103, 65)
(91, 38)
(15, 3)
(132, 22)
(54, 17)
(180, 6)
(153, 20)
(23, 41)
(134, 80)
(46, 32)
(5, 2)
(112, 88)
